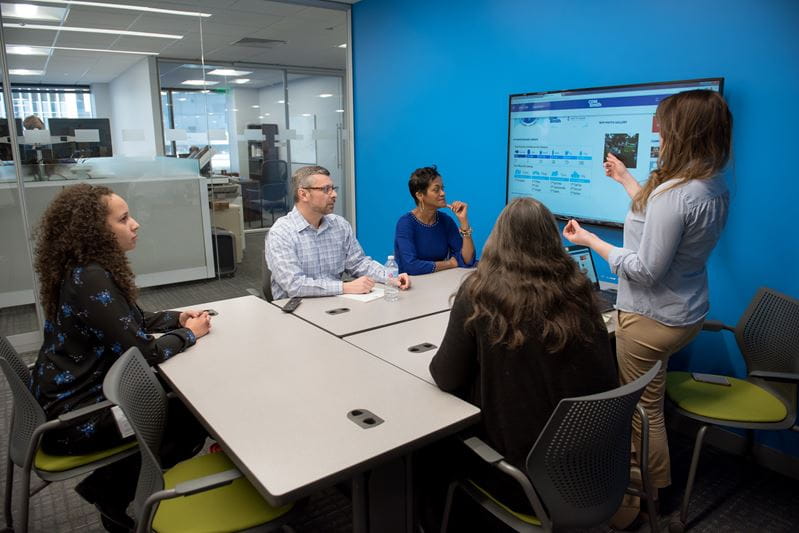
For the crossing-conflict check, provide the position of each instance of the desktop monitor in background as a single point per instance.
(558, 140)
(5, 148)
(65, 127)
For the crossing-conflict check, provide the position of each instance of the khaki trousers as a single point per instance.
(640, 341)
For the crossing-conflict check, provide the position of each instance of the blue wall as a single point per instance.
(431, 85)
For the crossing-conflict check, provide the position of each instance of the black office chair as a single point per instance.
(204, 493)
(578, 470)
(274, 186)
(767, 335)
(28, 425)
(266, 279)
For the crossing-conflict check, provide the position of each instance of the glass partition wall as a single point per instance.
(197, 134)
(262, 124)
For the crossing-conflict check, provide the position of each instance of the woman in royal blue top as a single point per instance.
(427, 240)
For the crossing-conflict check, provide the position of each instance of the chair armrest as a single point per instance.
(493, 457)
(77, 413)
(783, 377)
(205, 483)
(483, 450)
(716, 325)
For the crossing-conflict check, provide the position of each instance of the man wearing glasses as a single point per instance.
(309, 249)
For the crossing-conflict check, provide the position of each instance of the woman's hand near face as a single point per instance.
(461, 211)
(199, 325)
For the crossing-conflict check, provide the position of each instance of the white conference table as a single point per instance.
(411, 345)
(276, 392)
(393, 344)
(429, 294)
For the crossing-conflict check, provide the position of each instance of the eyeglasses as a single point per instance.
(327, 189)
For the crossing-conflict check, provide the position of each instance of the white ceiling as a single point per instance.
(312, 36)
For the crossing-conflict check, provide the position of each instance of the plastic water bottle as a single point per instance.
(392, 280)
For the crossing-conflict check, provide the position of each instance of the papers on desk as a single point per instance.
(376, 293)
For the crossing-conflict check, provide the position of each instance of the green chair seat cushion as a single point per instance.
(60, 463)
(528, 518)
(232, 507)
(742, 401)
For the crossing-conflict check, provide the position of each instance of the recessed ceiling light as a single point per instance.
(235, 109)
(205, 91)
(126, 6)
(281, 101)
(305, 115)
(25, 72)
(343, 45)
(267, 114)
(20, 50)
(182, 99)
(104, 51)
(90, 30)
(201, 83)
(256, 107)
(31, 12)
(325, 95)
(339, 110)
(229, 72)
(242, 80)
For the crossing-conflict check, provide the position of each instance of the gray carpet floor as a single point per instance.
(730, 495)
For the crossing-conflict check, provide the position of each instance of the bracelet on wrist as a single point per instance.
(465, 232)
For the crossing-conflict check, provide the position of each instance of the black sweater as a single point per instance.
(517, 390)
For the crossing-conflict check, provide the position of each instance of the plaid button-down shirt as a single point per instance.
(306, 261)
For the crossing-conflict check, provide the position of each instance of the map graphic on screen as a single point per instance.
(558, 140)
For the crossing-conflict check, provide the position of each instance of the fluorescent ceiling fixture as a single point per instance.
(17, 49)
(90, 30)
(199, 82)
(306, 115)
(229, 72)
(126, 6)
(325, 95)
(25, 72)
(256, 107)
(182, 99)
(339, 110)
(21, 50)
(281, 101)
(343, 45)
(31, 12)
(242, 80)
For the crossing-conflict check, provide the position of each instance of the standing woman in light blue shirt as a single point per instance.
(676, 218)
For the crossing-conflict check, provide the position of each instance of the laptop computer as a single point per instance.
(585, 262)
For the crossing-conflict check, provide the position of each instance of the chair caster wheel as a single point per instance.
(676, 526)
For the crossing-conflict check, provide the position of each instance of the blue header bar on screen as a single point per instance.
(592, 103)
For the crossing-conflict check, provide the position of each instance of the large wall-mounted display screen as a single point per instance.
(558, 140)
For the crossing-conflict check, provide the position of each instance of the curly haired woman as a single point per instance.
(89, 300)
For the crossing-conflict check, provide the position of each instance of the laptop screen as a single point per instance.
(582, 256)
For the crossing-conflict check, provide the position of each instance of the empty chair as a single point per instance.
(767, 335)
(274, 186)
(28, 424)
(202, 494)
(578, 470)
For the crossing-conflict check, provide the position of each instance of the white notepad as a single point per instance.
(376, 293)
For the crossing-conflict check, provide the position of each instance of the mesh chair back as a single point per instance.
(27, 413)
(274, 180)
(266, 279)
(768, 333)
(580, 463)
(132, 385)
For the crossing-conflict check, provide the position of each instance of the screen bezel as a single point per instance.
(608, 88)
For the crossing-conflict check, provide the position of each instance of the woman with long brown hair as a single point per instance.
(674, 222)
(89, 300)
(524, 332)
